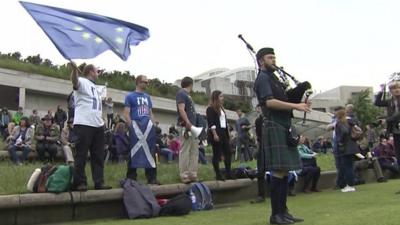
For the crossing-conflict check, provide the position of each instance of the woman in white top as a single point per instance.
(218, 134)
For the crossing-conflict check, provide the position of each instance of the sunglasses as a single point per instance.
(144, 82)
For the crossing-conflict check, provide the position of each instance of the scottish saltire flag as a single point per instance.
(142, 134)
(81, 35)
(142, 137)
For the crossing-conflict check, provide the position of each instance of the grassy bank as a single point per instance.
(13, 178)
(370, 204)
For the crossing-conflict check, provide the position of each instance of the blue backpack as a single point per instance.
(201, 197)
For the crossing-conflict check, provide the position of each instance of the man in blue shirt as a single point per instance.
(138, 115)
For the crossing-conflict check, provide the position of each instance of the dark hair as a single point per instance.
(27, 124)
(87, 69)
(214, 101)
(186, 82)
(139, 79)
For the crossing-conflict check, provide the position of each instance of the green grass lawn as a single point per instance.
(371, 204)
(14, 178)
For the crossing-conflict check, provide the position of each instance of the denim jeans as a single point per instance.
(168, 153)
(347, 169)
(13, 153)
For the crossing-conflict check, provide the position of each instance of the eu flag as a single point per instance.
(81, 35)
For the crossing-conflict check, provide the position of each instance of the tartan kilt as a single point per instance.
(277, 154)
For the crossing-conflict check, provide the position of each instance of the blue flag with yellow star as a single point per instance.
(81, 35)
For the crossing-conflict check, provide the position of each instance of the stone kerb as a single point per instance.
(29, 208)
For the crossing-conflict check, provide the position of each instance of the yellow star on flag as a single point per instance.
(119, 40)
(86, 35)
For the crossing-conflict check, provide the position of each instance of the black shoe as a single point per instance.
(279, 219)
(382, 180)
(259, 199)
(102, 187)
(81, 188)
(288, 216)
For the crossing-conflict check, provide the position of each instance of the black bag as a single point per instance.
(293, 137)
(177, 206)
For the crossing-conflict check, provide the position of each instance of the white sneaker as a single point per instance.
(348, 189)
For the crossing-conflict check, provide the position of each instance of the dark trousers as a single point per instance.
(110, 120)
(150, 173)
(340, 176)
(12, 149)
(3, 131)
(202, 156)
(390, 166)
(396, 140)
(346, 170)
(50, 148)
(222, 147)
(89, 139)
(244, 149)
(310, 174)
(61, 125)
(261, 174)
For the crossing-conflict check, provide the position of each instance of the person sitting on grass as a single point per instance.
(21, 140)
(364, 160)
(162, 148)
(173, 144)
(47, 137)
(386, 156)
(309, 170)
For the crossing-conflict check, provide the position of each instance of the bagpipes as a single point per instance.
(295, 95)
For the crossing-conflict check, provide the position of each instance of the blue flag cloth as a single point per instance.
(142, 137)
(81, 35)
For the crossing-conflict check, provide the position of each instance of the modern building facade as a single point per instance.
(327, 101)
(237, 82)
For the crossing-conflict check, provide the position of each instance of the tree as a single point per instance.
(16, 55)
(34, 59)
(365, 110)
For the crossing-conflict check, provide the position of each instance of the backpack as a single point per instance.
(356, 132)
(177, 206)
(139, 200)
(202, 198)
(40, 184)
(60, 180)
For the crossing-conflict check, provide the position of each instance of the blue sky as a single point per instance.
(328, 43)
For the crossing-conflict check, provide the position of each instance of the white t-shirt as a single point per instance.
(222, 119)
(88, 105)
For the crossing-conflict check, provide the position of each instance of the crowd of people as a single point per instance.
(136, 139)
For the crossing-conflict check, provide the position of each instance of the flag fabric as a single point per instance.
(142, 137)
(82, 35)
(142, 134)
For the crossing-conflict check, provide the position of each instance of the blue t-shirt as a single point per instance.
(140, 105)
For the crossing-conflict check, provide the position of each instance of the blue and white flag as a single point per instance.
(82, 35)
(143, 144)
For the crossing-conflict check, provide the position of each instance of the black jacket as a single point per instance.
(345, 143)
(213, 120)
(392, 118)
